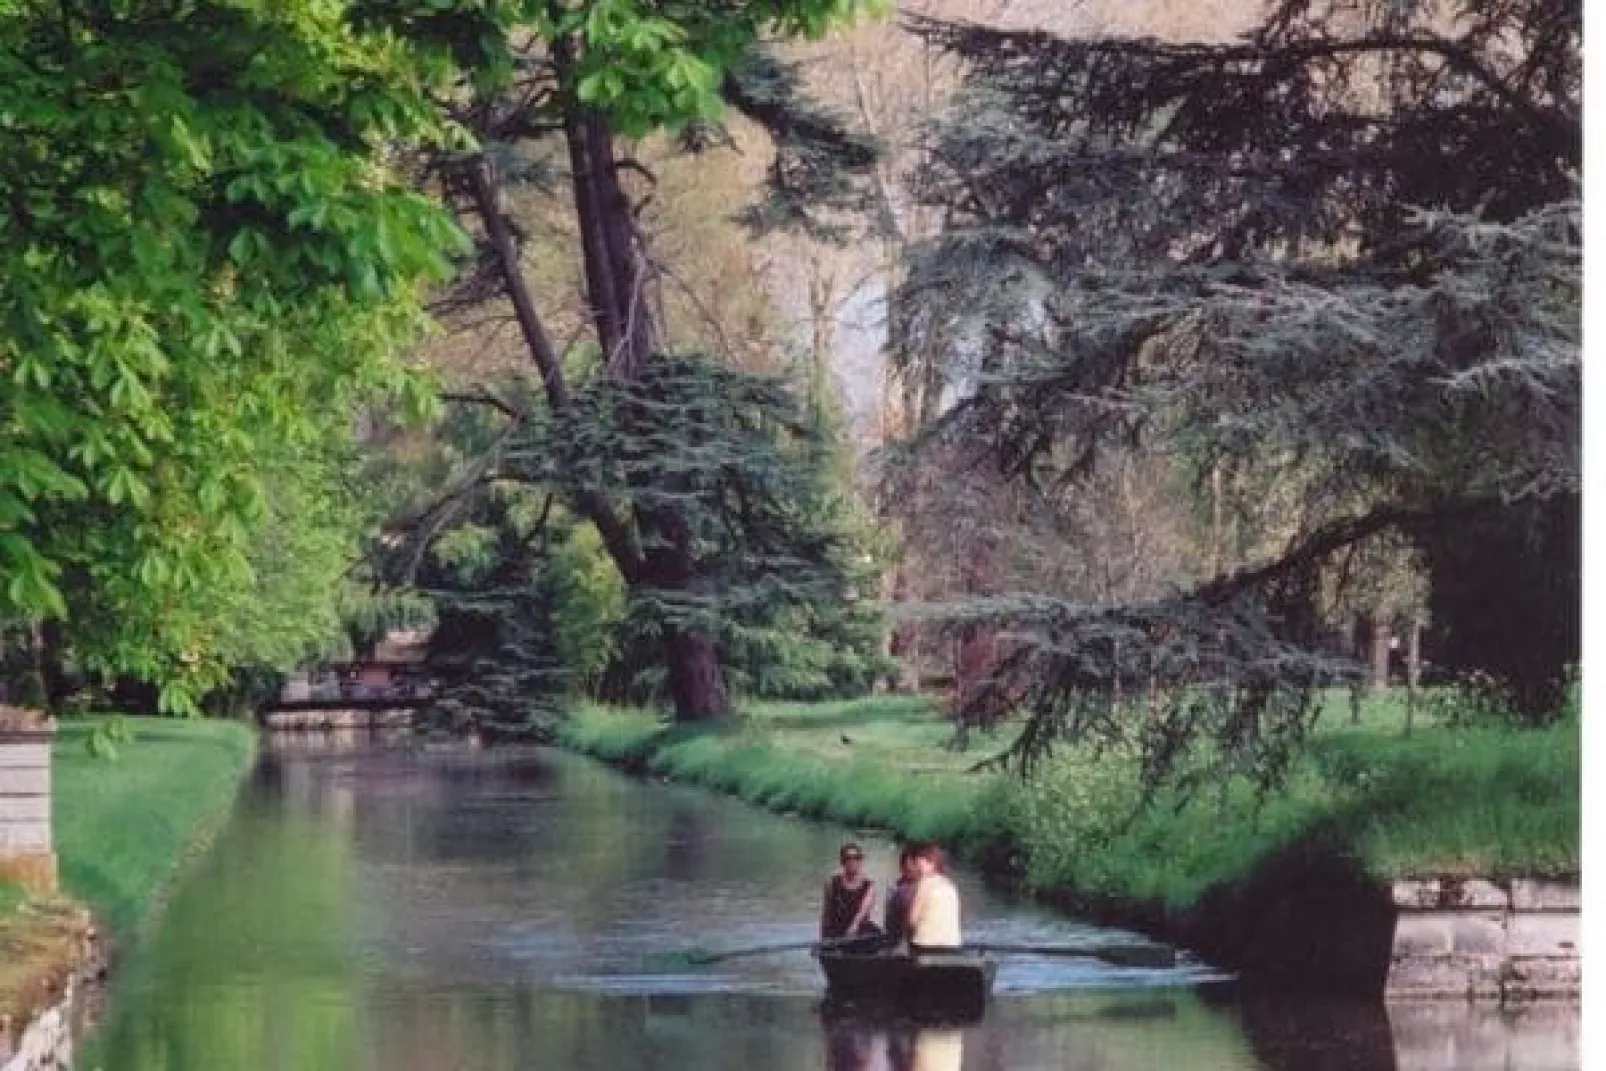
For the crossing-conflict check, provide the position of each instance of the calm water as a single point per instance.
(384, 907)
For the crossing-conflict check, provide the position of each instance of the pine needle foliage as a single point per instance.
(745, 535)
(725, 471)
(1350, 239)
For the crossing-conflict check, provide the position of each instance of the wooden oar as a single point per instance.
(702, 956)
(1117, 955)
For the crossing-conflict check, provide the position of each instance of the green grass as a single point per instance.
(124, 827)
(1440, 801)
(11, 897)
(894, 772)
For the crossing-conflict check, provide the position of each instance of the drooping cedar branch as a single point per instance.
(1341, 256)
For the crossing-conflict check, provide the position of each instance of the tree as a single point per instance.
(532, 611)
(1348, 239)
(594, 73)
(209, 256)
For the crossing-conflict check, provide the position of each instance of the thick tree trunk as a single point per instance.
(623, 310)
(616, 272)
(616, 535)
(696, 682)
(52, 665)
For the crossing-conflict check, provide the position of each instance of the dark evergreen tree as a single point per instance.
(597, 74)
(1349, 239)
(779, 571)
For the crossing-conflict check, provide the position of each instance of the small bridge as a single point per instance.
(378, 693)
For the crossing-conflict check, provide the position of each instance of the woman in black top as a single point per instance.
(849, 900)
(901, 899)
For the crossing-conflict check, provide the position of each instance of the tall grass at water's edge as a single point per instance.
(1488, 802)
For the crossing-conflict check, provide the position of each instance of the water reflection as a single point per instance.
(413, 910)
(859, 1046)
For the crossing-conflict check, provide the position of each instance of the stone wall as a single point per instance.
(327, 720)
(27, 853)
(1485, 940)
(45, 1044)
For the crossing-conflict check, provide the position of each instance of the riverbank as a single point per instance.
(1298, 884)
(123, 830)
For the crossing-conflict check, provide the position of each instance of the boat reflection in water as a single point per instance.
(860, 1045)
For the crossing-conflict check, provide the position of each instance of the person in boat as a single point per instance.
(849, 900)
(901, 898)
(934, 914)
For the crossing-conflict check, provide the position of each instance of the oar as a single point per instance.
(702, 956)
(1118, 955)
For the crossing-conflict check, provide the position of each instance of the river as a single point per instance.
(425, 909)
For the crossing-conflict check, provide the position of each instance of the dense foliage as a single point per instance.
(779, 571)
(591, 74)
(208, 260)
(1346, 246)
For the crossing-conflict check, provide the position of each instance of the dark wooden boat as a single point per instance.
(930, 983)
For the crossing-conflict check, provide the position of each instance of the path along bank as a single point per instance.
(1437, 863)
(123, 830)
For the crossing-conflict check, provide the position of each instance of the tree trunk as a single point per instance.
(616, 535)
(1380, 654)
(696, 682)
(903, 645)
(623, 311)
(1413, 671)
(615, 270)
(1217, 558)
(52, 666)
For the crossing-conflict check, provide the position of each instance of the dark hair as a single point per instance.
(930, 850)
(848, 850)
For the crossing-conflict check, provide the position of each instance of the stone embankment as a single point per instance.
(1516, 940)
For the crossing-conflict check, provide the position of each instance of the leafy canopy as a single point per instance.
(208, 251)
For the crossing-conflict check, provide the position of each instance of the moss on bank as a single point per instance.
(1440, 801)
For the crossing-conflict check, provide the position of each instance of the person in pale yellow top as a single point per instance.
(934, 914)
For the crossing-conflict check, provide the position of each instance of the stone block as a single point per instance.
(1475, 893)
(1422, 935)
(1550, 933)
(1458, 975)
(17, 838)
(24, 809)
(1437, 894)
(24, 781)
(27, 754)
(1530, 895)
(1543, 977)
(1481, 935)
(1416, 895)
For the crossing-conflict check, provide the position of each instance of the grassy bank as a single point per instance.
(123, 828)
(1438, 802)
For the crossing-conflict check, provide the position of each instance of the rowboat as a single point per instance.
(927, 982)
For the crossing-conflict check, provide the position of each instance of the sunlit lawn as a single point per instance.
(123, 826)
